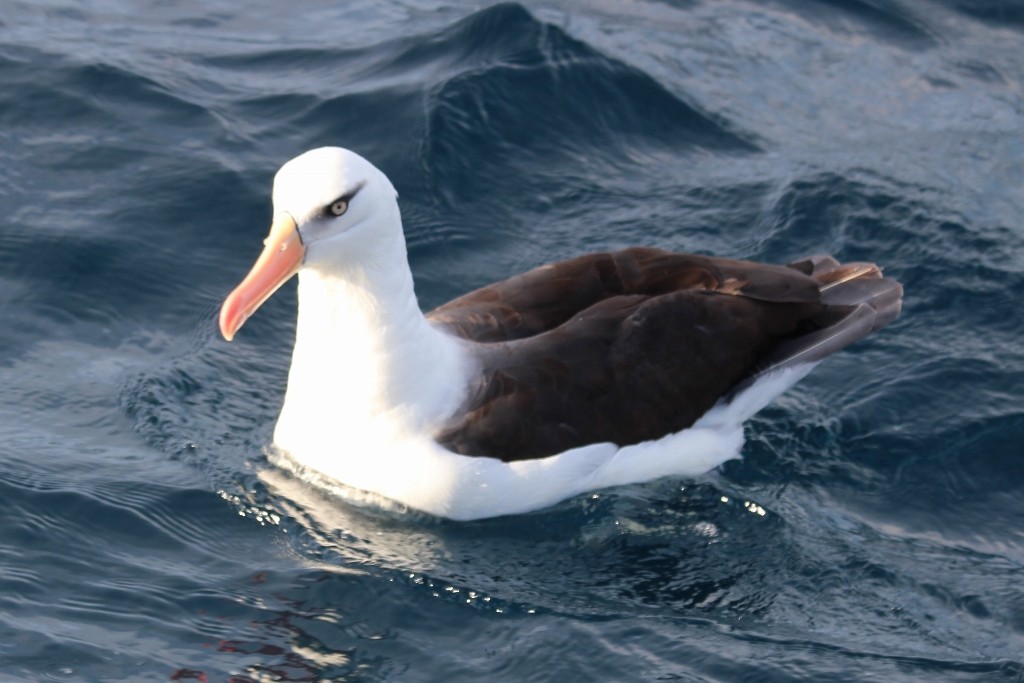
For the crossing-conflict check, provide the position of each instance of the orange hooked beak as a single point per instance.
(282, 256)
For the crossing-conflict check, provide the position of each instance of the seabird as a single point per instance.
(601, 370)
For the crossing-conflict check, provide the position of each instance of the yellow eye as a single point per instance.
(339, 207)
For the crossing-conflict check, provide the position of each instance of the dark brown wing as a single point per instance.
(545, 297)
(638, 344)
(626, 370)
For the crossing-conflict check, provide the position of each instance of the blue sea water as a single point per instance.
(874, 529)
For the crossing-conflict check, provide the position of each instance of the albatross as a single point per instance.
(601, 370)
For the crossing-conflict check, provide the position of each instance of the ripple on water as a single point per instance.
(872, 529)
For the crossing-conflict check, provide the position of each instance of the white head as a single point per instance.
(340, 203)
(332, 208)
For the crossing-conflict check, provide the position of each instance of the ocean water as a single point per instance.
(874, 529)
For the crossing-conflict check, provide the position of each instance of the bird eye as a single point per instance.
(339, 207)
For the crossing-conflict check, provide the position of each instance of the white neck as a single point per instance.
(365, 358)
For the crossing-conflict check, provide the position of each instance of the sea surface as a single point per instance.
(874, 528)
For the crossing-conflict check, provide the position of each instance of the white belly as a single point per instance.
(414, 471)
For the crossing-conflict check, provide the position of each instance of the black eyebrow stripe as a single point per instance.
(325, 211)
(347, 197)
